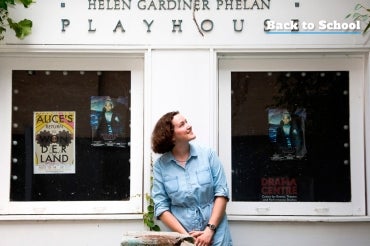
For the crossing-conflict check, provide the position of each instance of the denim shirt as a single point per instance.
(189, 192)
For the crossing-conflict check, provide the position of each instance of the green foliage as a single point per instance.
(22, 28)
(149, 215)
(361, 13)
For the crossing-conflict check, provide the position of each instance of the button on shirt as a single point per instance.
(189, 192)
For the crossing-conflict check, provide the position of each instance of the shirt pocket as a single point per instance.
(171, 184)
(204, 176)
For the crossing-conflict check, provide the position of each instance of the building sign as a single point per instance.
(191, 22)
(54, 142)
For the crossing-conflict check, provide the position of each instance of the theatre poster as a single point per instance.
(54, 142)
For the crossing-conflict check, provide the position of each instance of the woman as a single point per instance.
(190, 192)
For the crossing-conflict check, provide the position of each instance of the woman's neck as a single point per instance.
(181, 152)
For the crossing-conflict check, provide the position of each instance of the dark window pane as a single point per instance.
(102, 166)
(290, 136)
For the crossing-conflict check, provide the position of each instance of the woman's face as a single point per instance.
(183, 131)
(108, 106)
(286, 119)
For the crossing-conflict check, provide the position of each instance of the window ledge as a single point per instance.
(72, 217)
(140, 217)
(299, 218)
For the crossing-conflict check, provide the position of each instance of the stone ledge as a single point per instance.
(149, 238)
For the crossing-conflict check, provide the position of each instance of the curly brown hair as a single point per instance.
(162, 135)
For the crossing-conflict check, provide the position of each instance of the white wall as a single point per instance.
(298, 233)
(61, 233)
(182, 80)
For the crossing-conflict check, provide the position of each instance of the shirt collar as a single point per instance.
(193, 151)
(169, 156)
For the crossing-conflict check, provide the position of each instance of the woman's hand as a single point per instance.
(203, 238)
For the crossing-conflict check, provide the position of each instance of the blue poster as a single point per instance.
(287, 133)
(108, 121)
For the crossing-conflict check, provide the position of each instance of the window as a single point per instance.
(293, 140)
(71, 137)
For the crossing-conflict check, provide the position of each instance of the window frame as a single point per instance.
(74, 62)
(258, 63)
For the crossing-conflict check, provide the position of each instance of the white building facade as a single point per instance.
(233, 68)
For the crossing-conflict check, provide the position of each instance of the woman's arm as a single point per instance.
(218, 212)
(171, 222)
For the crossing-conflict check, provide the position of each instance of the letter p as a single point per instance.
(65, 23)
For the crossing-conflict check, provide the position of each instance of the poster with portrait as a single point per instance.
(108, 121)
(287, 134)
(54, 142)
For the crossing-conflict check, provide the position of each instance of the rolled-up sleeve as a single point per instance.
(159, 195)
(219, 177)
